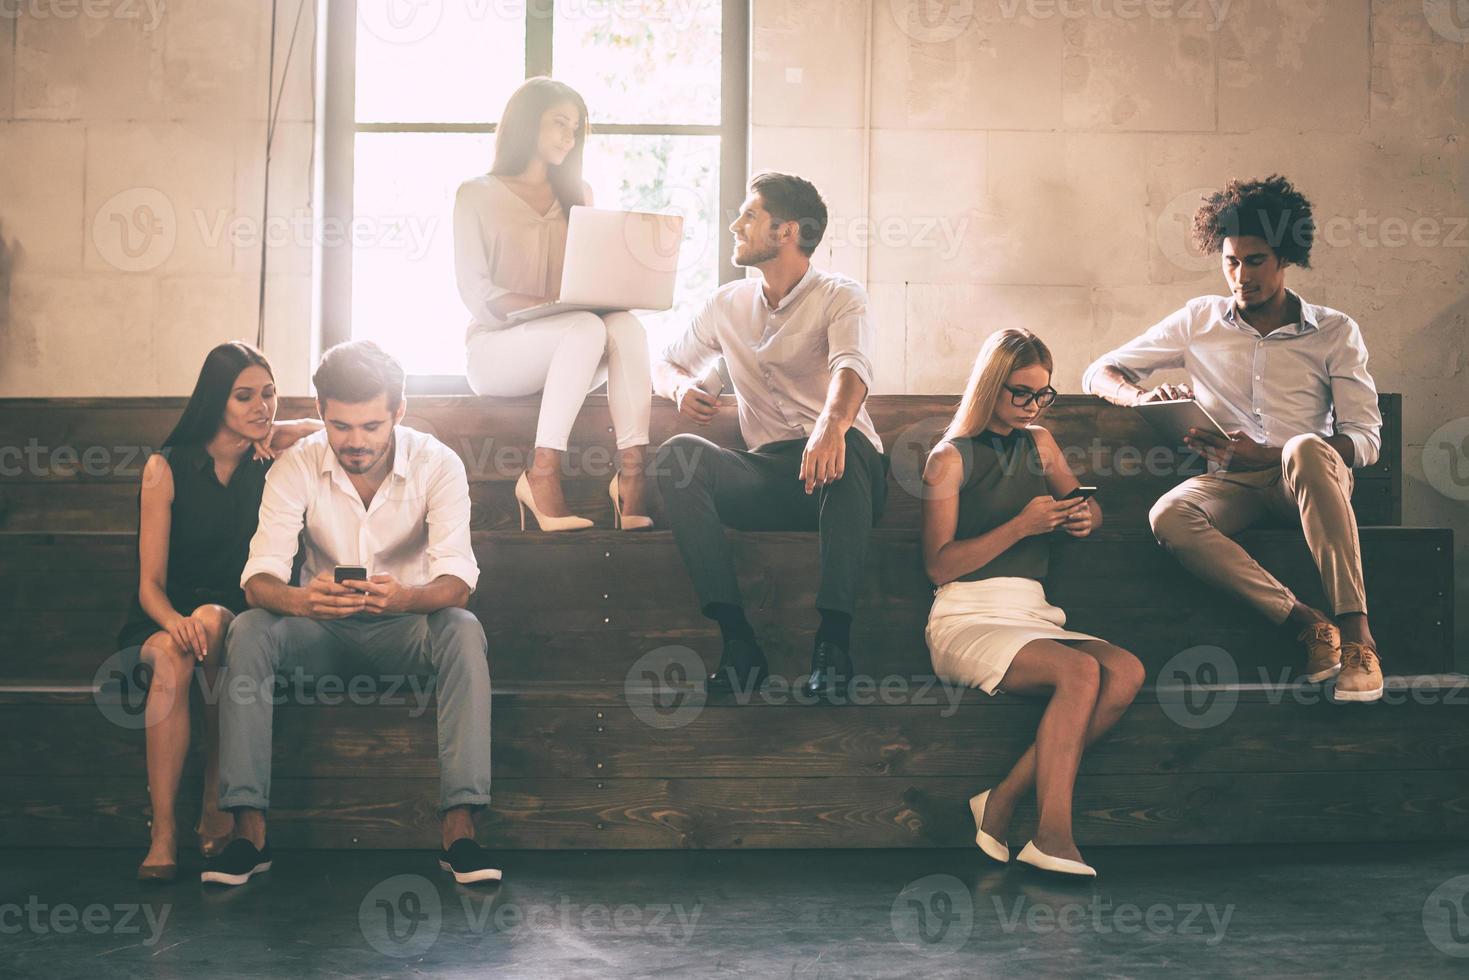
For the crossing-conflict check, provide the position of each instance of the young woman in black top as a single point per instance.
(198, 507)
(992, 497)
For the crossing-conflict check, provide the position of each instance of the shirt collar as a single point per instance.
(795, 293)
(1307, 323)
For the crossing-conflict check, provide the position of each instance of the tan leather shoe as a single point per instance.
(1361, 674)
(1323, 651)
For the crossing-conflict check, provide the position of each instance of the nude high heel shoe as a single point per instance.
(628, 522)
(527, 501)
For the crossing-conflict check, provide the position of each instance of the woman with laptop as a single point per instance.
(198, 507)
(995, 488)
(510, 232)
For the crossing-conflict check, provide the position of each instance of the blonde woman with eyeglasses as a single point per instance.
(996, 489)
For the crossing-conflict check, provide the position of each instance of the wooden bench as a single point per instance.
(575, 623)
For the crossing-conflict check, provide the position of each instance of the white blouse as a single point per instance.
(502, 245)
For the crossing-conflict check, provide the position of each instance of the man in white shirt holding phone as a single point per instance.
(367, 492)
(1289, 382)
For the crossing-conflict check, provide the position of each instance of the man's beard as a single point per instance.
(755, 257)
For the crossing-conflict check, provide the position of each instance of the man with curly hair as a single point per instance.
(1289, 381)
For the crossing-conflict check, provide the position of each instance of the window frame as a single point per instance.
(336, 141)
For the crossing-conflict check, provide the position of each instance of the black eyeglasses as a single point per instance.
(1022, 397)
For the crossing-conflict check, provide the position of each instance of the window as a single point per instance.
(413, 91)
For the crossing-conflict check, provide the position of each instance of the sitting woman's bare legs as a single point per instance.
(1116, 676)
(166, 715)
(215, 825)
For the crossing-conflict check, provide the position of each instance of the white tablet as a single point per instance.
(1173, 419)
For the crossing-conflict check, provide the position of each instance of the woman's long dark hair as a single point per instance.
(519, 134)
(205, 411)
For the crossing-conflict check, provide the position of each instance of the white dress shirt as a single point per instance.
(1303, 378)
(416, 529)
(781, 358)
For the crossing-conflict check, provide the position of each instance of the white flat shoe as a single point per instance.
(992, 848)
(1037, 858)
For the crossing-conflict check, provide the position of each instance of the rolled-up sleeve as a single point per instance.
(1354, 397)
(472, 266)
(1162, 347)
(696, 349)
(851, 336)
(450, 548)
(282, 515)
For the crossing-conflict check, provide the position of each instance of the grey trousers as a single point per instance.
(394, 653)
(706, 487)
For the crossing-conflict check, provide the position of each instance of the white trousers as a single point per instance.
(566, 356)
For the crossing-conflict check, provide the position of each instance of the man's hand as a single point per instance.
(385, 594)
(696, 403)
(1165, 393)
(1238, 452)
(825, 458)
(325, 599)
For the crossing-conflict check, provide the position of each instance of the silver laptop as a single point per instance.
(615, 260)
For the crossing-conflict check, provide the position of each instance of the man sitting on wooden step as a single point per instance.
(394, 502)
(1280, 374)
(798, 342)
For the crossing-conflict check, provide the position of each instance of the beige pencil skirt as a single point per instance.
(975, 629)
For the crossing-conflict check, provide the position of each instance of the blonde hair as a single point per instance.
(1004, 352)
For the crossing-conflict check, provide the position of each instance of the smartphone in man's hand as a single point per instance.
(350, 573)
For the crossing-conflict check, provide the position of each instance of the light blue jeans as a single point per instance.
(262, 649)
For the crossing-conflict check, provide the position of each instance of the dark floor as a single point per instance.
(1360, 910)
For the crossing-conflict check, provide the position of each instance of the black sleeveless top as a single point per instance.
(1002, 475)
(209, 536)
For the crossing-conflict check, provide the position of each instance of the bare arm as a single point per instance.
(945, 558)
(1061, 481)
(825, 458)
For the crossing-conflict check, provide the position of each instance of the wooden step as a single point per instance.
(75, 463)
(67, 594)
(581, 767)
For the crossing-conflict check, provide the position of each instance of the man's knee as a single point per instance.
(1172, 519)
(679, 462)
(458, 633)
(1309, 455)
(253, 638)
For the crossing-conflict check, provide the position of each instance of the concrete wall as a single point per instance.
(989, 162)
(132, 142)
